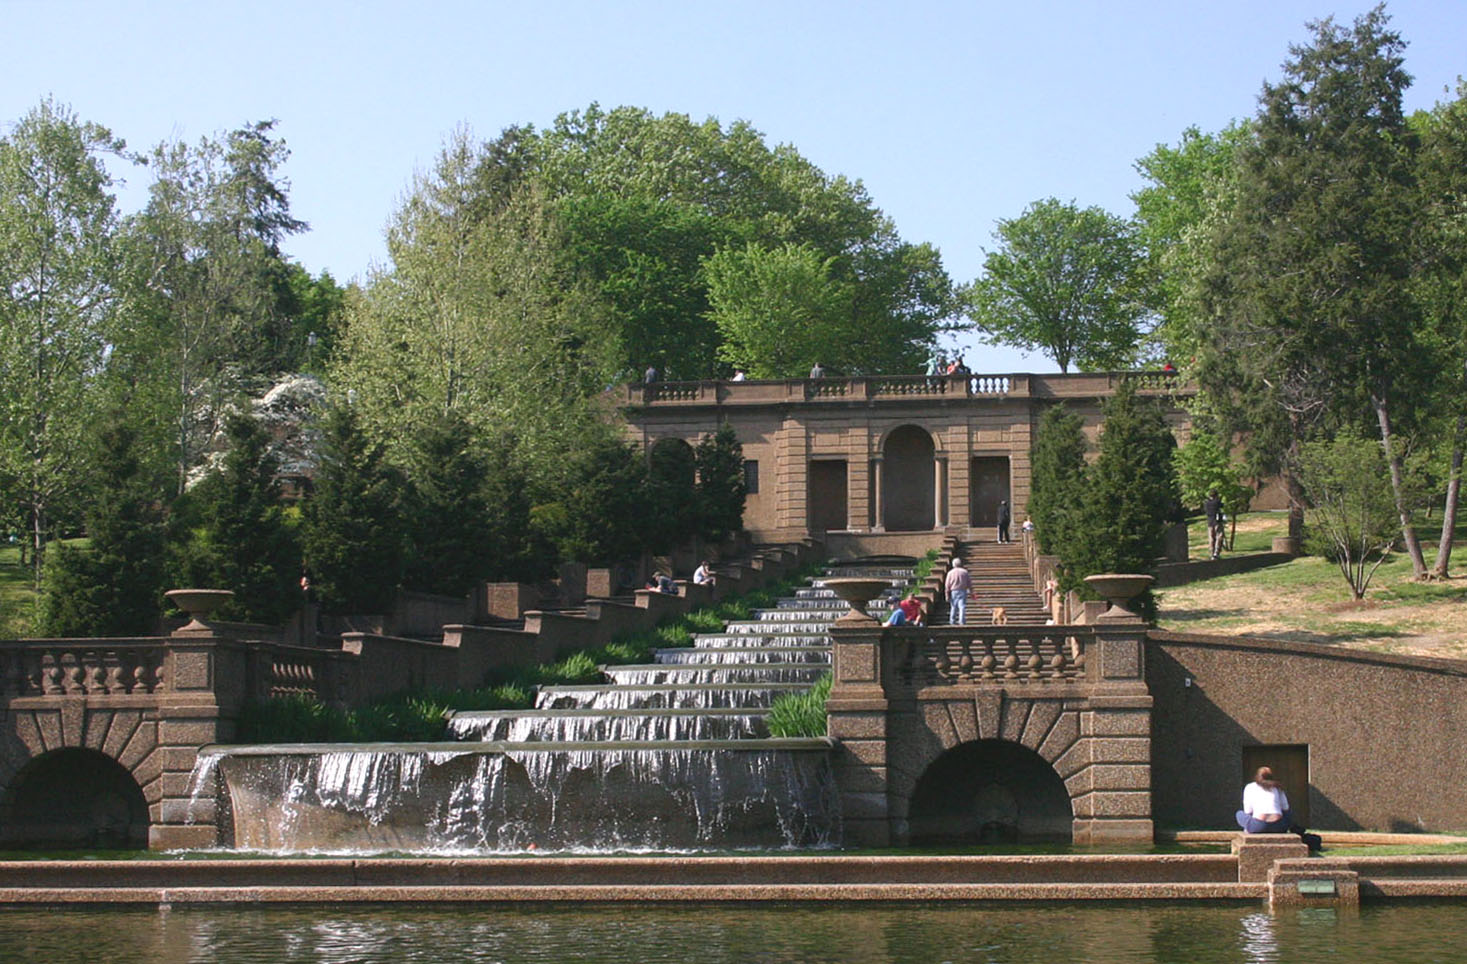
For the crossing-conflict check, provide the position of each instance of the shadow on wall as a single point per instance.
(1197, 766)
(74, 798)
(989, 791)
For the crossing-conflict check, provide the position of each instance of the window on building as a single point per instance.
(751, 476)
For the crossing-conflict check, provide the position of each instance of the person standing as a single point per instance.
(1212, 507)
(816, 371)
(1004, 518)
(957, 585)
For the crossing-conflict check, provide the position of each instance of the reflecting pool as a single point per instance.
(714, 934)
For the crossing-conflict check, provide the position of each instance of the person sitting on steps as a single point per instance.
(1265, 805)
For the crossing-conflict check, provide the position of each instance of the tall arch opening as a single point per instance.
(990, 791)
(908, 499)
(74, 798)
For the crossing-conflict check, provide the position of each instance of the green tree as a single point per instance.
(721, 485)
(352, 525)
(1309, 311)
(57, 291)
(1188, 188)
(1066, 281)
(779, 311)
(1204, 465)
(113, 587)
(1441, 289)
(210, 297)
(1057, 486)
(601, 507)
(1353, 522)
(1130, 496)
(672, 496)
(234, 531)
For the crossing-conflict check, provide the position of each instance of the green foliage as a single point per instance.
(1203, 466)
(721, 489)
(1126, 500)
(602, 507)
(114, 587)
(468, 515)
(58, 274)
(236, 534)
(800, 714)
(352, 536)
(1354, 522)
(1066, 281)
(1058, 481)
(671, 495)
(923, 568)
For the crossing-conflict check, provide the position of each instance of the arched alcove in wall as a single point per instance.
(908, 467)
(74, 798)
(989, 791)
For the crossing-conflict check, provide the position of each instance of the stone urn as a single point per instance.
(197, 604)
(858, 592)
(1118, 589)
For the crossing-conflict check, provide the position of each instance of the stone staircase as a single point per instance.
(1000, 578)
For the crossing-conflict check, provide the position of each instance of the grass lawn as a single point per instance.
(1307, 600)
(17, 598)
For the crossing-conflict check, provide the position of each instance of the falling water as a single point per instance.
(502, 797)
(575, 726)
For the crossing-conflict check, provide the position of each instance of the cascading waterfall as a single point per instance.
(579, 727)
(502, 797)
(668, 756)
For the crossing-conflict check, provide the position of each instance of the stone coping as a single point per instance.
(476, 748)
(1431, 664)
(1332, 838)
(666, 878)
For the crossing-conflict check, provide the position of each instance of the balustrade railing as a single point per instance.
(82, 667)
(279, 670)
(953, 656)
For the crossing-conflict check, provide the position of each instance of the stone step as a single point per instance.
(730, 654)
(751, 627)
(746, 640)
(647, 674)
(689, 695)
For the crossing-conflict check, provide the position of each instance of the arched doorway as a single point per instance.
(74, 798)
(990, 791)
(671, 480)
(908, 500)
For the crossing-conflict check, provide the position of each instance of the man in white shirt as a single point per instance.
(957, 585)
(703, 575)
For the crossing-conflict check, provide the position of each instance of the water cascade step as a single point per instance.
(673, 754)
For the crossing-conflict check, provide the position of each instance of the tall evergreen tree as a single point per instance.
(1312, 325)
(352, 533)
(721, 485)
(237, 536)
(114, 586)
(1057, 464)
(601, 509)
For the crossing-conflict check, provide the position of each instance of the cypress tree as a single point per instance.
(114, 587)
(239, 538)
(352, 532)
(721, 486)
(1057, 464)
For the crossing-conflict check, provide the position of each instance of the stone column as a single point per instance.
(856, 717)
(1111, 792)
(939, 492)
(205, 678)
(878, 509)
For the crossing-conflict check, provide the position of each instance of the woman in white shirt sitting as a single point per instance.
(1265, 806)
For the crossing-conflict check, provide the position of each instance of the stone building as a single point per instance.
(881, 454)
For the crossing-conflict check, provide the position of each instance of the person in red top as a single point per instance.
(908, 612)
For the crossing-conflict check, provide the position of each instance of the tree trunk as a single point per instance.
(1449, 509)
(1393, 459)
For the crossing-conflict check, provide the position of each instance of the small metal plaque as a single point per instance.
(1317, 888)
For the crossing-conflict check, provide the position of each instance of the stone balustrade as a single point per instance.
(1075, 385)
(71, 667)
(949, 656)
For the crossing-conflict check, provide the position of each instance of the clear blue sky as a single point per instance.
(953, 114)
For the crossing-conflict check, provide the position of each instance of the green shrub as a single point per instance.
(800, 714)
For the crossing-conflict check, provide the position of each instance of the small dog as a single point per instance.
(1000, 616)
